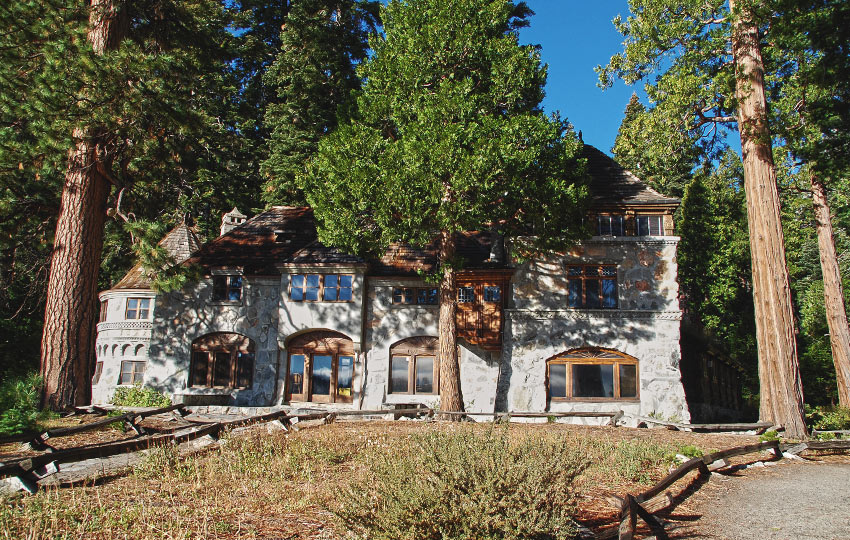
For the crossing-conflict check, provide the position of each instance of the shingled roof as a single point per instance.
(611, 184)
(180, 242)
(287, 235)
(279, 235)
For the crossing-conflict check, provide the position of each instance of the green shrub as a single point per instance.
(19, 400)
(828, 418)
(769, 435)
(691, 451)
(139, 396)
(467, 484)
(638, 460)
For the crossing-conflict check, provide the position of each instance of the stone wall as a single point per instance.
(183, 316)
(539, 326)
(389, 323)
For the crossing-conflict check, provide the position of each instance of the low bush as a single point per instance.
(139, 396)
(638, 460)
(828, 418)
(467, 484)
(19, 400)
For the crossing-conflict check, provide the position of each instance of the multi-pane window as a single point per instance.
(492, 293)
(328, 287)
(610, 226)
(132, 372)
(415, 295)
(337, 288)
(413, 366)
(138, 308)
(98, 371)
(650, 225)
(592, 286)
(465, 294)
(222, 360)
(592, 374)
(321, 368)
(103, 305)
(227, 288)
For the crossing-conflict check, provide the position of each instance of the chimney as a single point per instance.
(231, 220)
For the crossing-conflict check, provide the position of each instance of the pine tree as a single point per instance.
(134, 91)
(448, 136)
(314, 75)
(657, 150)
(710, 84)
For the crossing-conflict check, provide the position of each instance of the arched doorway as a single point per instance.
(320, 368)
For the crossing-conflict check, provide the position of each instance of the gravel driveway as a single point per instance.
(785, 501)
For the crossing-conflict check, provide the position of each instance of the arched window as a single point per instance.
(413, 366)
(321, 368)
(592, 374)
(222, 360)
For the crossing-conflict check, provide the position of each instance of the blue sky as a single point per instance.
(576, 36)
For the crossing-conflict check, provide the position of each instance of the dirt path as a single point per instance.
(784, 501)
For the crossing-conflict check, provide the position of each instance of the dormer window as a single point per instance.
(650, 225)
(610, 226)
(227, 288)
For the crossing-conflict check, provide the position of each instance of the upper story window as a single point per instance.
(592, 374)
(337, 288)
(649, 225)
(103, 304)
(328, 287)
(227, 288)
(416, 295)
(610, 226)
(592, 286)
(138, 308)
(465, 295)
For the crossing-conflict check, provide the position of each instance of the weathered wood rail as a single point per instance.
(634, 506)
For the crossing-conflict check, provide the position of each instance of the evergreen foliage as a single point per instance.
(19, 399)
(448, 135)
(313, 75)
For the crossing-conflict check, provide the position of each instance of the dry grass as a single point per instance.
(280, 485)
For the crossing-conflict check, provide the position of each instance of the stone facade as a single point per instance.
(257, 264)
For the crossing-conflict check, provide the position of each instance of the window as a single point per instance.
(337, 288)
(132, 372)
(413, 366)
(321, 368)
(610, 226)
(222, 360)
(592, 286)
(227, 288)
(329, 287)
(465, 295)
(98, 371)
(138, 308)
(422, 295)
(592, 374)
(492, 293)
(103, 304)
(650, 225)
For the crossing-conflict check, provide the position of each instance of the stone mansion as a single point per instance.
(280, 319)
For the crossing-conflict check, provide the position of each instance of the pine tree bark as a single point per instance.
(781, 390)
(71, 312)
(833, 292)
(451, 398)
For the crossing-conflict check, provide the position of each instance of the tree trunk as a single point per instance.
(833, 293)
(71, 311)
(781, 390)
(450, 393)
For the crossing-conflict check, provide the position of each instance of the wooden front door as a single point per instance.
(321, 368)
